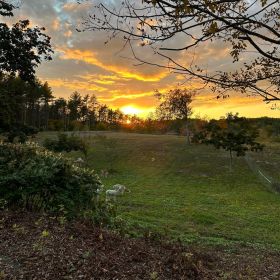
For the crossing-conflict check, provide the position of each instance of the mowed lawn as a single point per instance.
(186, 191)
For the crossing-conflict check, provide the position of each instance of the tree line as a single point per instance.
(33, 104)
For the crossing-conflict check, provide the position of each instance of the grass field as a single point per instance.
(186, 191)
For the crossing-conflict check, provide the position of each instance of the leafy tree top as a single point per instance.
(6, 9)
(175, 104)
(233, 134)
(22, 48)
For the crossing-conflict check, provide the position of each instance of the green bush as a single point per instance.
(66, 143)
(19, 133)
(39, 179)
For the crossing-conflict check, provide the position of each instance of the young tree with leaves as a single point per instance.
(233, 134)
(176, 104)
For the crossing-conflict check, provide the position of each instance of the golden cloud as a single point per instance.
(75, 85)
(68, 33)
(118, 95)
(70, 7)
(101, 77)
(55, 24)
(209, 99)
(91, 58)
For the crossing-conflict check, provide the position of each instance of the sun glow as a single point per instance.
(131, 110)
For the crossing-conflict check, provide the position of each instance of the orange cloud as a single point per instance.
(91, 58)
(118, 95)
(68, 33)
(208, 104)
(74, 7)
(105, 82)
(75, 85)
(99, 77)
(56, 24)
(70, 6)
(210, 99)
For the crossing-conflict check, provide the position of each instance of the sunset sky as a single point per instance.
(83, 63)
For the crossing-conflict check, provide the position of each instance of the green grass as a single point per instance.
(186, 191)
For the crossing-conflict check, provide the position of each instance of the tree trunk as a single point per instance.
(188, 133)
(230, 165)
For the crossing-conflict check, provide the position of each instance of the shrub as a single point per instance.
(19, 133)
(39, 179)
(66, 143)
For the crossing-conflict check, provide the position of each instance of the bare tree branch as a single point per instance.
(241, 24)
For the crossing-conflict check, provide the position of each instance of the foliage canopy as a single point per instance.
(233, 134)
(175, 104)
(22, 48)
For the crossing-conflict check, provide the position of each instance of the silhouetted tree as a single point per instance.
(103, 113)
(58, 119)
(92, 107)
(22, 96)
(176, 104)
(74, 105)
(22, 104)
(21, 48)
(6, 9)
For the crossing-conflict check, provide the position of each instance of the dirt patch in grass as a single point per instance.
(38, 247)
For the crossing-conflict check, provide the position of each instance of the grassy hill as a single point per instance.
(187, 192)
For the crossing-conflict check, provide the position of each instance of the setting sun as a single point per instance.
(131, 110)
